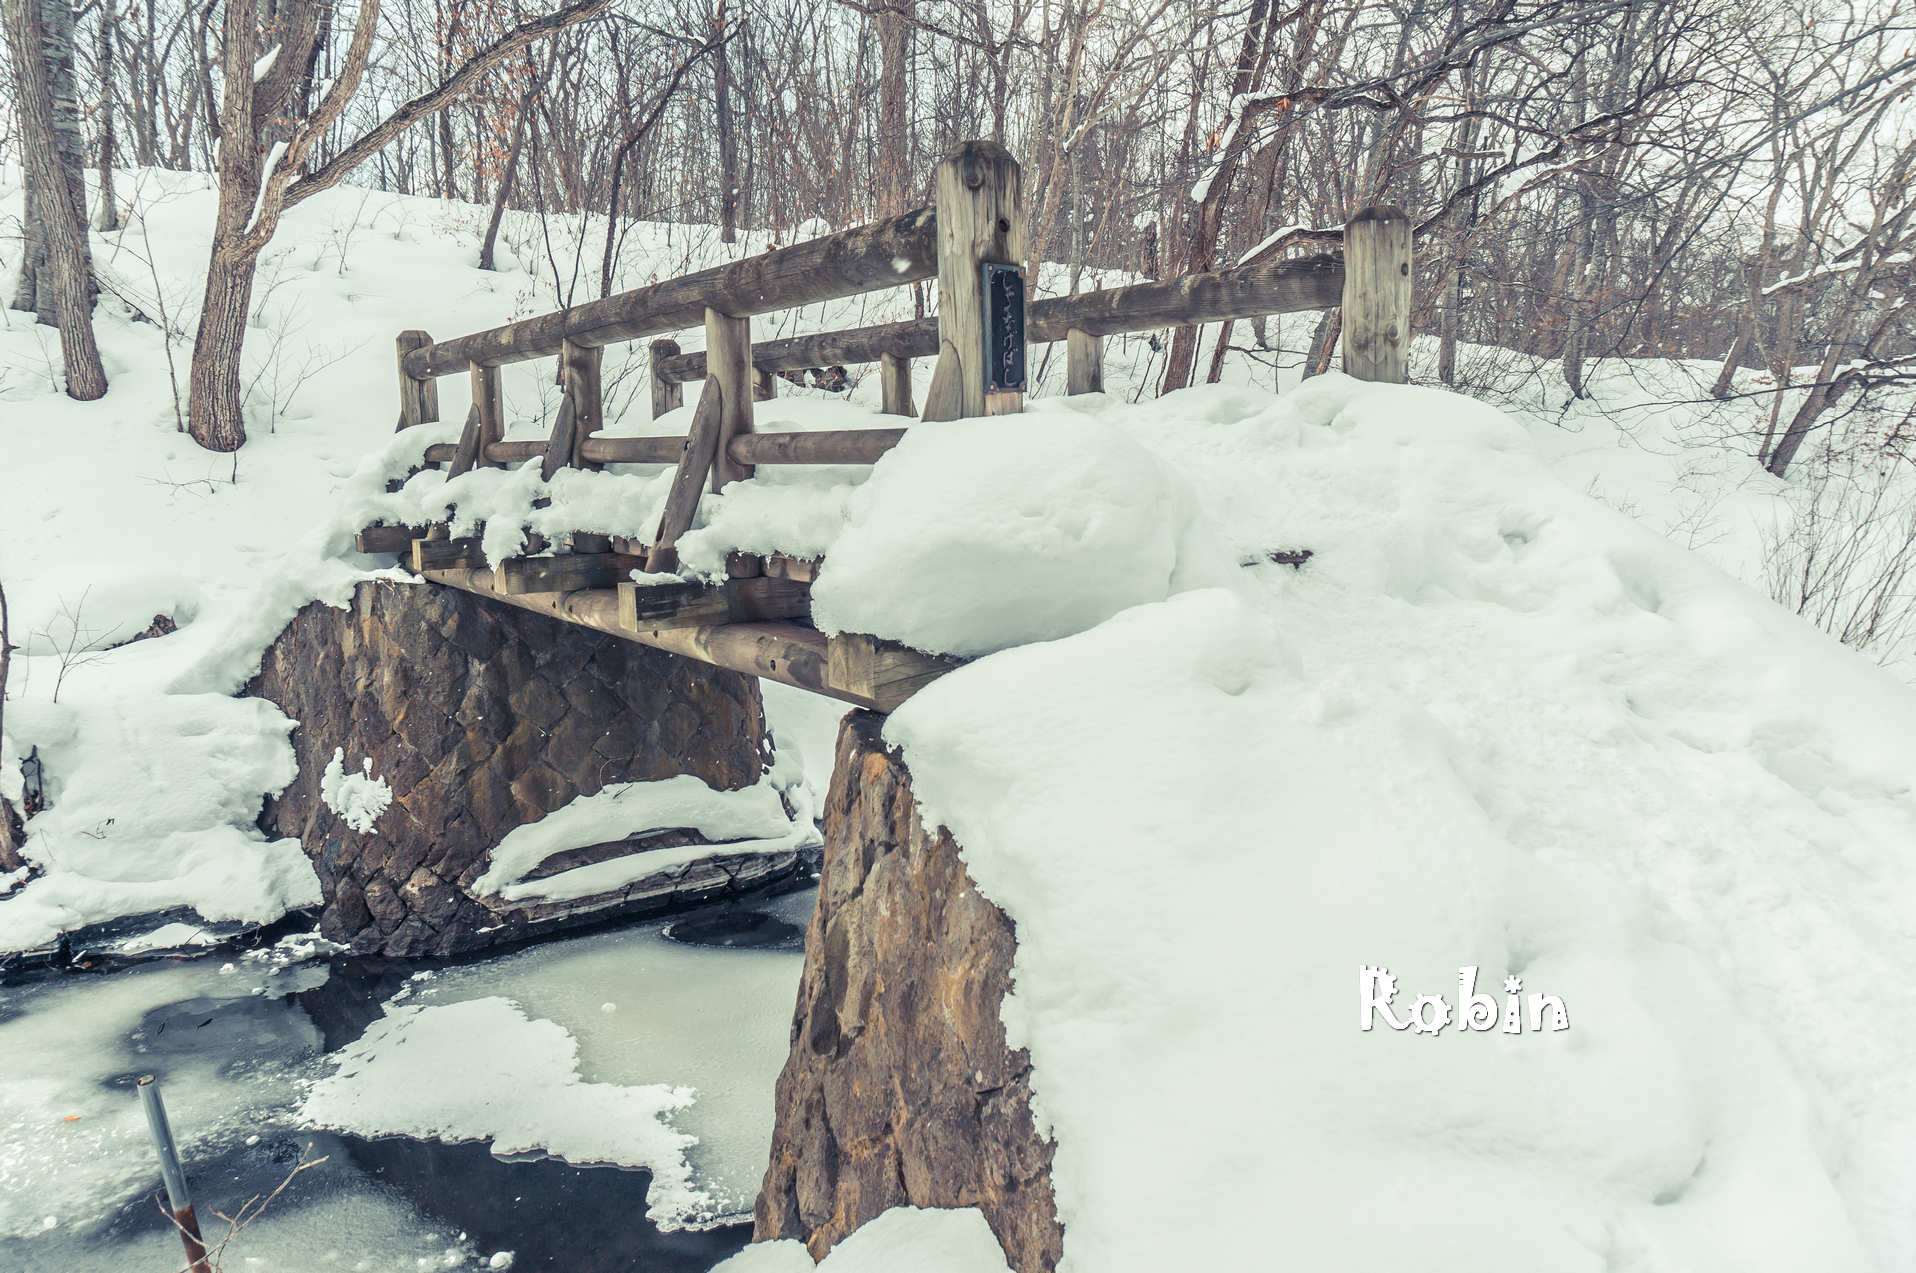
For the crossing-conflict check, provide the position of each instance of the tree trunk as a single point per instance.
(894, 141)
(109, 218)
(213, 394)
(506, 178)
(728, 144)
(9, 845)
(33, 254)
(67, 270)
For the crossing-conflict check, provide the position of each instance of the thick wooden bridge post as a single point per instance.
(418, 399)
(1377, 286)
(980, 193)
(894, 384)
(581, 363)
(764, 384)
(667, 395)
(728, 359)
(1083, 362)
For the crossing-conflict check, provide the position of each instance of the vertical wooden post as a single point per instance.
(764, 384)
(581, 363)
(1377, 295)
(418, 399)
(980, 199)
(666, 395)
(894, 385)
(485, 396)
(1083, 362)
(728, 360)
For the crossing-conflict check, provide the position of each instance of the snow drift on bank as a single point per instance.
(1490, 724)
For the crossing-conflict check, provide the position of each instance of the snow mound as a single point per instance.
(976, 535)
(1491, 724)
(482, 1070)
(358, 798)
(90, 606)
(914, 1238)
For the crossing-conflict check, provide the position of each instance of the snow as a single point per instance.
(924, 1241)
(483, 1070)
(167, 936)
(752, 815)
(976, 535)
(1492, 724)
(358, 798)
(1515, 714)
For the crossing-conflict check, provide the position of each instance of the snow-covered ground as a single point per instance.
(1525, 711)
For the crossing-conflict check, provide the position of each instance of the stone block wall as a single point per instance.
(481, 718)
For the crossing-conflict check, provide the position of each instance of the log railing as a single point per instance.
(969, 240)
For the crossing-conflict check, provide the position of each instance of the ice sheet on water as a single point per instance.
(715, 1020)
(481, 1070)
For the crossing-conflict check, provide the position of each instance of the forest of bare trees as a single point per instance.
(1702, 179)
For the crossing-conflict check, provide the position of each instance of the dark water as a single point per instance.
(552, 1215)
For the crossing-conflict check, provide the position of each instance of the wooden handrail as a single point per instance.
(824, 446)
(1274, 287)
(903, 249)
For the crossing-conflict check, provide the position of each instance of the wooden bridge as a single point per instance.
(757, 620)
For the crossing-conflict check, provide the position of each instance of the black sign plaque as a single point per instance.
(1004, 293)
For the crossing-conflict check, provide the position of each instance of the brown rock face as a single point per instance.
(899, 1089)
(482, 718)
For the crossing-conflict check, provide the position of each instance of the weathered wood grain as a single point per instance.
(558, 452)
(1084, 362)
(418, 397)
(682, 501)
(666, 394)
(728, 355)
(386, 539)
(440, 554)
(979, 190)
(656, 607)
(884, 672)
(1273, 287)
(884, 254)
(569, 573)
(894, 385)
(467, 451)
(1377, 295)
(485, 396)
(945, 396)
(579, 369)
(826, 446)
(803, 569)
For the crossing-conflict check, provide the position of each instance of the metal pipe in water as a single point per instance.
(176, 1192)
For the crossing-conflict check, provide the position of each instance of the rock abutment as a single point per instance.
(480, 719)
(900, 1089)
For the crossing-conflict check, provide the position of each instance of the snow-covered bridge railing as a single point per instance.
(972, 242)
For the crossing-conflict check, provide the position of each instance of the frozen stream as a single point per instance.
(238, 1042)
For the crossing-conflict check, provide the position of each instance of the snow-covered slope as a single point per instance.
(1492, 723)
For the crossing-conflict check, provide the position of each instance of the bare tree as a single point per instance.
(254, 195)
